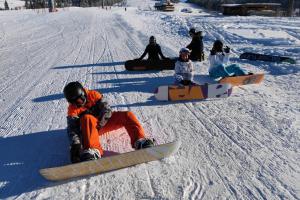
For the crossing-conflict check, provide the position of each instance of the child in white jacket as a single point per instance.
(184, 69)
(219, 59)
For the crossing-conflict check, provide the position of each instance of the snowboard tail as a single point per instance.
(143, 65)
(243, 80)
(268, 58)
(194, 92)
(110, 163)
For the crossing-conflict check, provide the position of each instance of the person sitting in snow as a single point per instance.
(196, 45)
(89, 117)
(184, 69)
(153, 50)
(219, 58)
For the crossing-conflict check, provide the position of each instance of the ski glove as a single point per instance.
(178, 77)
(100, 110)
(104, 119)
(227, 49)
(75, 153)
(73, 130)
(104, 114)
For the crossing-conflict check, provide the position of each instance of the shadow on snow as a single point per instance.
(23, 156)
(107, 64)
(141, 84)
(51, 97)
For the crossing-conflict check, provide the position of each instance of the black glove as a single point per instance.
(97, 110)
(101, 110)
(75, 153)
(212, 52)
(227, 49)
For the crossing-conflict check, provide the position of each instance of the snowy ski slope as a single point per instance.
(243, 147)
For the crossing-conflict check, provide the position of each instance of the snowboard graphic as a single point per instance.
(110, 163)
(268, 58)
(243, 80)
(194, 92)
(142, 65)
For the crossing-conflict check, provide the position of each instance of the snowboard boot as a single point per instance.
(90, 154)
(185, 82)
(143, 143)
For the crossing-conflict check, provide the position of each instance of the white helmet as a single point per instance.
(184, 50)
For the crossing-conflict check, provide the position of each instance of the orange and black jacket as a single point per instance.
(94, 105)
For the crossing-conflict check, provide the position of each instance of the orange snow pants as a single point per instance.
(119, 119)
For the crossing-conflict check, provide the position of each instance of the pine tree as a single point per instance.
(6, 5)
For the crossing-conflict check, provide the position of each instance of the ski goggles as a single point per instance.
(80, 95)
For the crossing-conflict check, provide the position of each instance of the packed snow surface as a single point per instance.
(243, 147)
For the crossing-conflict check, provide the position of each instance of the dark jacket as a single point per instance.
(153, 52)
(196, 47)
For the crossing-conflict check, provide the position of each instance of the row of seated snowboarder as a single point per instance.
(196, 47)
(184, 70)
(219, 67)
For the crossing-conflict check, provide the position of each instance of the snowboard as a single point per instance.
(243, 80)
(143, 65)
(268, 58)
(193, 92)
(110, 163)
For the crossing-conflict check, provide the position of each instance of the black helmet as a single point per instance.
(192, 31)
(152, 39)
(218, 45)
(73, 91)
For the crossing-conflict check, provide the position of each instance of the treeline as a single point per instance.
(35, 4)
(215, 4)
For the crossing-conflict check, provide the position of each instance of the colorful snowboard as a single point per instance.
(110, 163)
(195, 92)
(268, 58)
(142, 65)
(243, 80)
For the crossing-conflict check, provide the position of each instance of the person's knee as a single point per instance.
(88, 117)
(131, 117)
(130, 114)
